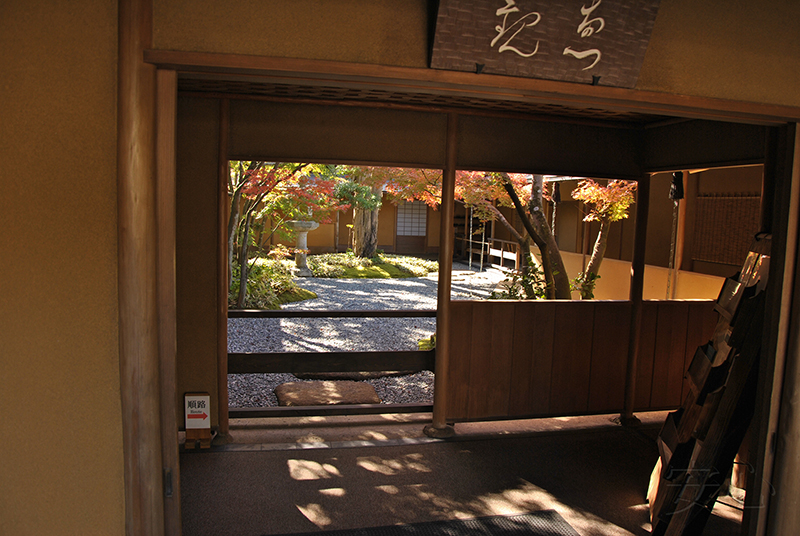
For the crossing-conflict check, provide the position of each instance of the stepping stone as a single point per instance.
(321, 393)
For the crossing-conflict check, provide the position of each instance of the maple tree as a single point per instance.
(275, 192)
(481, 191)
(606, 204)
(284, 191)
(486, 192)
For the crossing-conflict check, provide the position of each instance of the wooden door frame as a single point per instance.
(140, 352)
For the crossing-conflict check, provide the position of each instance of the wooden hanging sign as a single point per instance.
(600, 42)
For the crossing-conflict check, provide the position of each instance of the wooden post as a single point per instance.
(439, 427)
(138, 311)
(691, 188)
(775, 429)
(166, 118)
(222, 272)
(782, 489)
(680, 237)
(636, 292)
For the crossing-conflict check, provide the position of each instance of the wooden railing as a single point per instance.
(502, 250)
(519, 359)
(300, 362)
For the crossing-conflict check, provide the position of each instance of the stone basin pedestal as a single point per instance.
(302, 228)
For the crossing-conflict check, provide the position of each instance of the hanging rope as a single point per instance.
(469, 239)
(483, 243)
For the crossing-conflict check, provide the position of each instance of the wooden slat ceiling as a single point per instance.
(331, 94)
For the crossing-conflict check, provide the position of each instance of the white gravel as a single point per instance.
(353, 334)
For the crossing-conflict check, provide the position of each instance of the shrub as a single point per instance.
(267, 282)
(527, 283)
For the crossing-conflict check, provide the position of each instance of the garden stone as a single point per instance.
(320, 393)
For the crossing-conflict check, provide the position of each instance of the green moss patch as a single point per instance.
(376, 271)
(381, 266)
(295, 295)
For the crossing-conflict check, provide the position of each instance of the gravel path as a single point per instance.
(354, 334)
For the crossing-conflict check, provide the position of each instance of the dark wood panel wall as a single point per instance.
(552, 358)
(303, 132)
(696, 144)
(548, 147)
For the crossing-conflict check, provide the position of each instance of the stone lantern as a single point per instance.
(302, 228)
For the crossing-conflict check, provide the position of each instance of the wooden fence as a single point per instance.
(555, 358)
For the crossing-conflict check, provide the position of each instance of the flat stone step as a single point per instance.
(322, 393)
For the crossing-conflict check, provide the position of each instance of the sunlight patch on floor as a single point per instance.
(316, 514)
(309, 470)
(393, 466)
(333, 492)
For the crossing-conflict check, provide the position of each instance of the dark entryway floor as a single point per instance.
(306, 474)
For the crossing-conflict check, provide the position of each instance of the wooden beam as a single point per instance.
(784, 516)
(778, 377)
(691, 190)
(701, 144)
(138, 328)
(680, 239)
(342, 313)
(279, 362)
(772, 166)
(327, 411)
(438, 426)
(222, 269)
(636, 292)
(166, 119)
(341, 74)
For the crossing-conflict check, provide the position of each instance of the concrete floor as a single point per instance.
(282, 476)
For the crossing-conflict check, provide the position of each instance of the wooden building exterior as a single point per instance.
(118, 120)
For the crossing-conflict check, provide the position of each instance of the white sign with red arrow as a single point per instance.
(197, 411)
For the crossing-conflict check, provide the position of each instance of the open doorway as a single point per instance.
(310, 325)
(196, 110)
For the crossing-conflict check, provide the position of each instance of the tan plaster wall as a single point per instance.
(434, 221)
(60, 419)
(737, 49)
(387, 226)
(322, 238)
(615, 281)
(389, 32)
(345, 219)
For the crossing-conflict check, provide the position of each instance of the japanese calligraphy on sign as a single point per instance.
(590, 41)
(197, 408)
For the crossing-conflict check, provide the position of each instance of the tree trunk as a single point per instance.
(536, 224)
(243, 266)
(233, 226)
(235, 187)
(365, 232)
(592, 269)
(336, 234)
